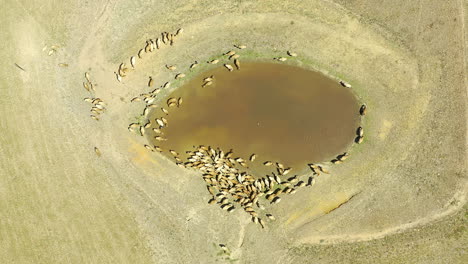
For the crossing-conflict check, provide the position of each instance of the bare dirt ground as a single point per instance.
(61, 203)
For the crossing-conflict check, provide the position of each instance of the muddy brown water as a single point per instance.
(279, 112)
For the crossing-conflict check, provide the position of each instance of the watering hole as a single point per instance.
(279, 112)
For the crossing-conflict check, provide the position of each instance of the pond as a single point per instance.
(281, 113)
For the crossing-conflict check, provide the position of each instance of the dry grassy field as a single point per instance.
(62, 203)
